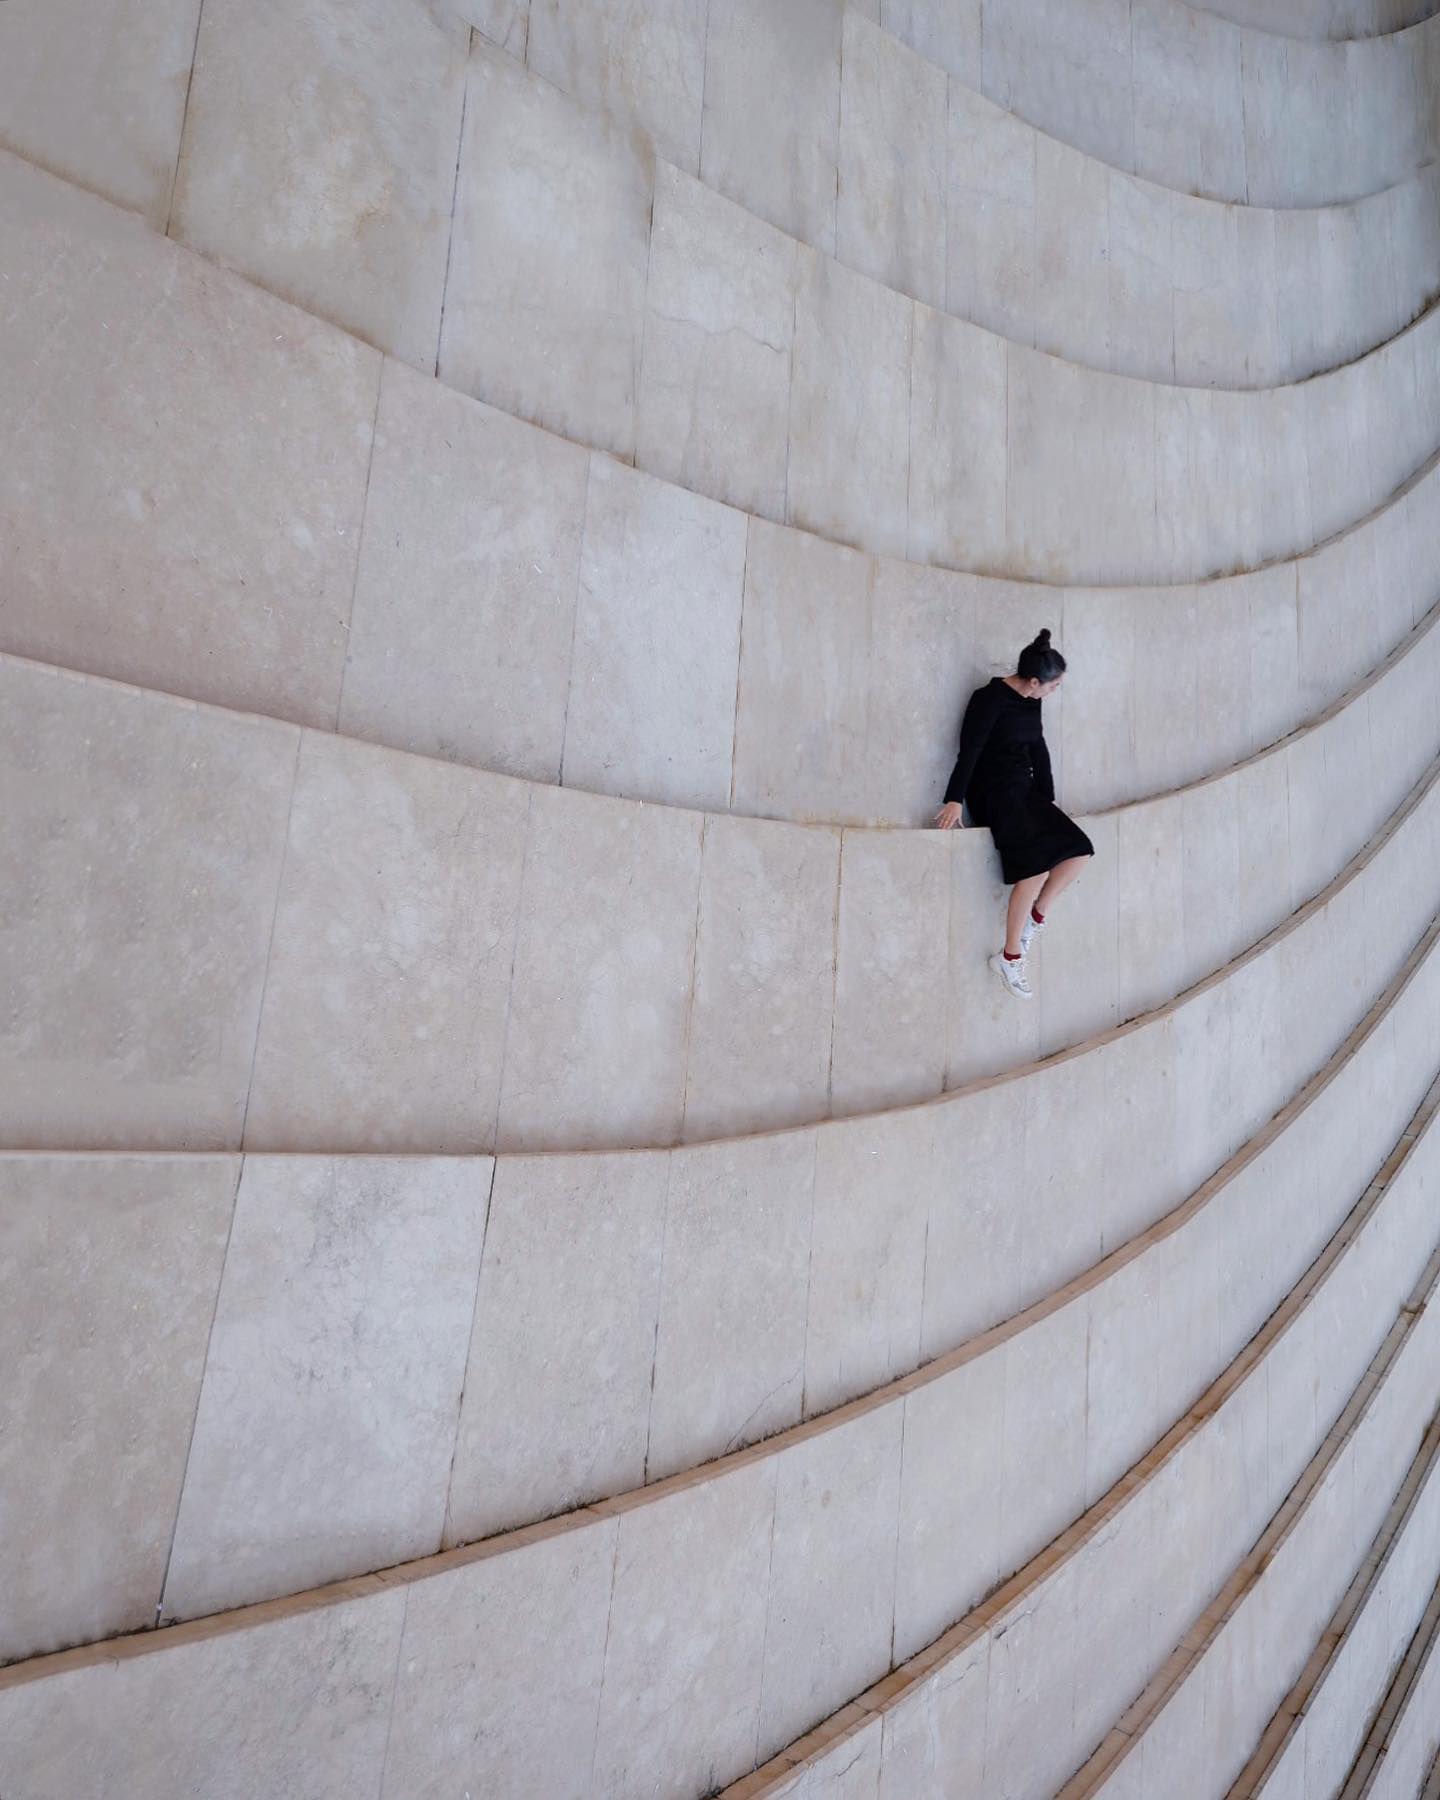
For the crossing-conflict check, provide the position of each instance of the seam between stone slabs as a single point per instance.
(361, 528)
(469, 59)
(274, 921)
(1380, 838)
(1231, 1377)
(470, 1339)
(1340, 1628)
(1394, 1703)
(879, 1699)
(184, 121)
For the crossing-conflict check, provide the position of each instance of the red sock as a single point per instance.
(1037, 915)
(1009, 958)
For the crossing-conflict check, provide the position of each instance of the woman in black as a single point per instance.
(1003, 774)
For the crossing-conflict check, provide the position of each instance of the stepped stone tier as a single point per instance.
(539, 1259)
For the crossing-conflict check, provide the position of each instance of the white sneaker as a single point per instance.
(1013, 975)
(1027, 934)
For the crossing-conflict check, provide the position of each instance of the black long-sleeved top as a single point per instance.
(1002, 746)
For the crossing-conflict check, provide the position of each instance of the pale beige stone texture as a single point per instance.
(319, 158)
(698, 1564)
(1142, 339)
(1210, 830)
(604, 957)
(921, 672)
(848, 475)
(143, 841)
(464, 617)
(958, 492)
(892, 954)
(111, 1267)
(760, 1028)
(300, 1705)
(1189, 112)
(504, 22)
(651, 714)
(1150, 890)
(1081, 497)
(874, 1179)
(1042, 1460)
(714, 402)
(777, 161)
(934, 1735)
(990, 238)
(1034, 1647)
(802, 714)
(545, 298)
(326, 1422)
(1064, 1111)
(1072, 250)
(946, 32)
(892, 195)
(953, 1516)
(394, 939)
(832, 1574)
(737, 1249)
(497, 1686)
(976, 1230)
(847, 1769)
(126, 552)
(639, 61)
(1066, 69)
(97, 93)
(575, 1241)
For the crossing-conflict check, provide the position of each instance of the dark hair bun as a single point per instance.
(1042, 640)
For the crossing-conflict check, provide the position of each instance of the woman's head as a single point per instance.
(1040, 667)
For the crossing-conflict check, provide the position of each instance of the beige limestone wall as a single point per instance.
(1325, 18)
(329, 1433)
(449, 927)
(462, 1646)
(434, 576)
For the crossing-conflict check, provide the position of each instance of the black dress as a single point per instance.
(1003, 775)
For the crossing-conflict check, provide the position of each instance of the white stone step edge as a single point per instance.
(864, 1729)
(1409, 1706)
(1014, 1598)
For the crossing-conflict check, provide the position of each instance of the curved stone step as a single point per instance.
(1338, 20)
(1390, 1764)
(437, 577)
(559, 1656)
(330, 1436)
(707, 976)
(1320, 1725)
(985, 1712)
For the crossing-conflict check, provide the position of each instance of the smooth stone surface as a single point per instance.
(319, 158)
(832, 1574)
(464, 620)
(959, 415)
(891, 956)
(778, 161)
(891, 193)
(714, 403)
(164, 829)
(97, 93)
(554, 339)
(610, 979)
(848, 474)
(326, 1424)
(738, 1240)
(126, 554)
(762, 1021)
(644, 62)
(394, 938)
(300, 1706)
(587, 1234)
(661, 578)
(111, 1268)
(498, 1680)
(704, 1554)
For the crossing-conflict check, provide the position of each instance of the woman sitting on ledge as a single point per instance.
(1003, 773)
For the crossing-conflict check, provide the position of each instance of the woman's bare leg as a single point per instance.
(1022, 897)
(1056, 883)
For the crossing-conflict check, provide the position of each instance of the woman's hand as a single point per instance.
(950, 817)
